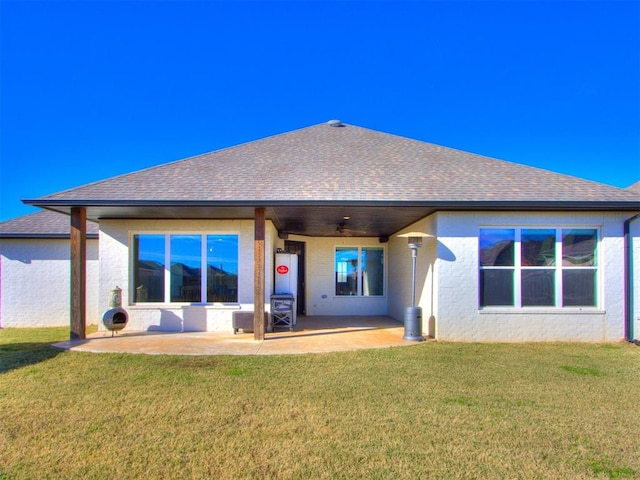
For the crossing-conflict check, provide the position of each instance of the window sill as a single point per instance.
(176, 306)
(359, 297)
(542, 311)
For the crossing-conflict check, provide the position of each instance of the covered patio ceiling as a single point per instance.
(312, 220)
(347, 221)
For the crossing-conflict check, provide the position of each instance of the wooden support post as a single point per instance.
(258, 275)
(78, 318)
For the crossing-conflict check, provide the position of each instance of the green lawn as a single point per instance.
(430, 410)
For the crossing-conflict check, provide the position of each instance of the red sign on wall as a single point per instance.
(282, 269)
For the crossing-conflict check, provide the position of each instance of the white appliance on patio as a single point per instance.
(286, 278)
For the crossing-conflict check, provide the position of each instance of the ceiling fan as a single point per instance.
(344, 230)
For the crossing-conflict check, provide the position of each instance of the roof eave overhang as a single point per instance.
(63, 205)
(373, 218)
(50, 236)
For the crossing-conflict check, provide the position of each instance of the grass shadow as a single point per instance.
(18, 355)
(20, 347)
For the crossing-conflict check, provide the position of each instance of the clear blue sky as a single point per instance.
(92, 89)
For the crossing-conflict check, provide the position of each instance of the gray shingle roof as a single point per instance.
(346, 164)
(44, 224)
(635, 187)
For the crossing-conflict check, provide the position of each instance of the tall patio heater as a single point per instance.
(413, 314)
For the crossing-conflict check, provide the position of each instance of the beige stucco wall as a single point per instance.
(35, 279)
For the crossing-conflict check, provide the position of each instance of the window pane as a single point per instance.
(579, 287)
(538, 248)
(222, 268)
(148, 268)
(346, 271)
(538, 287)
(372, 271)
(496, 247)
(579, 247)
(186, 265)
(496, 287)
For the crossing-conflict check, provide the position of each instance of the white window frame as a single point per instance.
(558, 268)
(167, 266)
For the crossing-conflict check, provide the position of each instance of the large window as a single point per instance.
(359, 271)
(148, 270)
(529, 267)
(185, 268)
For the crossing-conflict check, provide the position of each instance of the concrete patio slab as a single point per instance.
(310, 335)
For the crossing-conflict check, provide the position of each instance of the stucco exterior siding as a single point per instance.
(34, 282)
(116, 271)
(459, 317)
